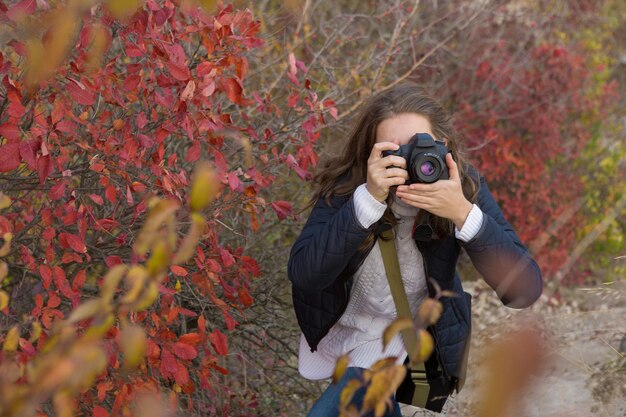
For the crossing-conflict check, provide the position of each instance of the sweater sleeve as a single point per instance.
(498, 254)
(471, 226)
(368, 210)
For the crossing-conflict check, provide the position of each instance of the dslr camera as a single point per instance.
(425, 159)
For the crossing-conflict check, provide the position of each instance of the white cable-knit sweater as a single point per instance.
(371, 308)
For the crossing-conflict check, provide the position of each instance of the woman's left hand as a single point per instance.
(443, 198)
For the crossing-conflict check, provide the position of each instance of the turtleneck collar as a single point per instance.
(402, 209)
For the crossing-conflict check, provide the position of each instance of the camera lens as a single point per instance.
(427, 168)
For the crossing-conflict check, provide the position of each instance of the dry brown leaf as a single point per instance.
(396, 326)
(429, 311)
(340, 367)
(424, 347)
(348, 392)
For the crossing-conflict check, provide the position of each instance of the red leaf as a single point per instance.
(112, 260)
(293, 100)
(181, 376)
(250, 265)
(180, 72)
(169, 364)
(96, 199)
(44, 168)
(99, 411)
(185, 351)
(57, 191)
(46, 275)
(9, 157)
(22, 9)
(190, 338)
(233, 90)
(53, 301)
(178, 271)
(80, 93)
(48, 234)
(245, 297)
(75, 242)
(111, 194)
(231, 323)
(11, 131)
(79, 280)
(282, 209)
(193, 153)
(233, 181)
(219, 342)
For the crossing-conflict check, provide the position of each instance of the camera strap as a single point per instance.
(423, 232)
(392, 268)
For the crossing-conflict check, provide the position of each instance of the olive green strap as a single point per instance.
(392, 268)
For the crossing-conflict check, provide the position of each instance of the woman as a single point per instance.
(340, 292)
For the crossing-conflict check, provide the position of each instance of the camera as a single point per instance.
(425, 159)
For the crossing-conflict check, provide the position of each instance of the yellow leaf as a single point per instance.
(97, 47)
(35, 58)
(4, 270)
(61, 36)
(204, 187)
(396, 326)
(4, 201)
(11, 340)
(160, 258)
(148, 297)
(123, 9)
(381, 406)
(86, 310)
(111, 281)
(348, 392)
(63, 404)
(383, 363)
(188, 246)
(133, 345)
(425, 346)
(35, 332)
(4, 300)
(383, 384)
(136, 279)
(429, 311)
(375, 391)
(161, 211)
(208, 5)
(6, 247)
(100, 326)
(340, 367)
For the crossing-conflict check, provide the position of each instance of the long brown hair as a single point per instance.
(341, 175)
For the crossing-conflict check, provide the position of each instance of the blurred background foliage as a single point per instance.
(536, 88)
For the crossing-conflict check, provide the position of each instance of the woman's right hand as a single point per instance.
(380, 178)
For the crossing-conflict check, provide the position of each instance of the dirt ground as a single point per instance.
(585, 374)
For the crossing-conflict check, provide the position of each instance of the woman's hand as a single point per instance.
(379, 177)
(443, 198)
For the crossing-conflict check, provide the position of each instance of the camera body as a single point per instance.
(425, 159)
